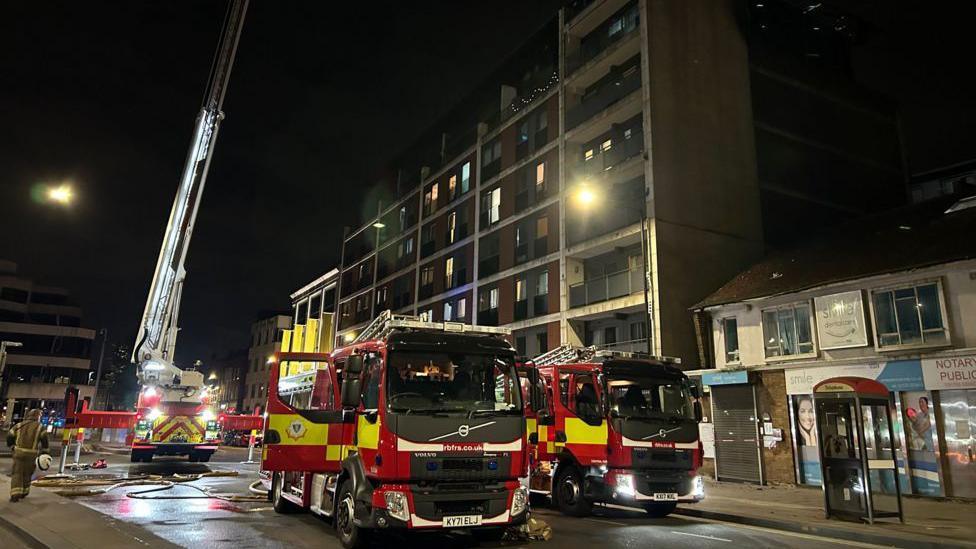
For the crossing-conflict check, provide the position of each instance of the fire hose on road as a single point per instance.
(73, 487)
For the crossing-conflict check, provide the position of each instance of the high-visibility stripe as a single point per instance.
(580, 432)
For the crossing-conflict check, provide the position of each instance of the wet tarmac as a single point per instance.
(197, 521)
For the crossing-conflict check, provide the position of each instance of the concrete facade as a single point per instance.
(265, 342)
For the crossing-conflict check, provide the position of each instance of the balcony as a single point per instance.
(540, 305)
(490, 216)
(491, 169)
(427, 248)
(488, 266)
(613, 91)
(401, 300)
(632, 346)
(541, 247)
(488, 317)
(460, 233)
(521, 253)
(605, 288)
(606, 48)
(455, 279)
(522, 309)
(426, 291)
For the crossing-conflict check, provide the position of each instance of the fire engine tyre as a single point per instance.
(280, 504)
(659, 510)
(350, 535)
(568, 493)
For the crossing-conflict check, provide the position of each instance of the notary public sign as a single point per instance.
(840, 320)
(954, 372)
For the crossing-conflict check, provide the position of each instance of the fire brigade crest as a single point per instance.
(296, 429)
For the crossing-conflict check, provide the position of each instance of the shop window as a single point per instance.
(786, 331)
(731, 332)
(909, 316)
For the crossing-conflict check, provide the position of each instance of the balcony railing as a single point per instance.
(488, 266)
(540, 305)
(427, 248)
(613, 91)
(632, 346)
(522, 309)
(490, 216)
(488, 317)
(604, 288)
(595, 47)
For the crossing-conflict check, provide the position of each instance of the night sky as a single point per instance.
(322, 94)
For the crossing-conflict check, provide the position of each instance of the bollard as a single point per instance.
(78, 440)
(250, 447)
(65, 437)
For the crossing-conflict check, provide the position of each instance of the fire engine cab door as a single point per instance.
(583, 422)
(305, 422)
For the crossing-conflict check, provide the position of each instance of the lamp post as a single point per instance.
(98, 375)
(587, 197)
(4, 345)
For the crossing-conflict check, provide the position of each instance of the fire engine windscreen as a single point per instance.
(462, 383)
(647, 397)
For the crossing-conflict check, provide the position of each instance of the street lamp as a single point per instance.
(4, 345)
(586, 196)
(62, 194)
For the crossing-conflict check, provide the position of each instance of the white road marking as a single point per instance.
(608, 522)
(701, 536)
(813, 537)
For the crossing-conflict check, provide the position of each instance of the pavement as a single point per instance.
(928, 522)
(111, 520)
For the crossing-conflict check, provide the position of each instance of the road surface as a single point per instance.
(200, 522)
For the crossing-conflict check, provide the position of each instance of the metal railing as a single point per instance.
(609, 94)
(604, 288)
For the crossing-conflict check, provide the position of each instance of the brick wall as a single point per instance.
(771, 399)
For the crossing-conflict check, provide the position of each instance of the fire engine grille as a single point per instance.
(460, 468)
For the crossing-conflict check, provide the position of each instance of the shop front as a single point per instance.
(934, 423)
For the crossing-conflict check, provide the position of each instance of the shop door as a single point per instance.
(736, 435)
(959, 419)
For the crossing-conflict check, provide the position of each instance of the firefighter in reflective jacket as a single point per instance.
(27, 437)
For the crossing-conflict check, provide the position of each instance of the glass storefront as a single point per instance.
(958, 407)
(921, 439)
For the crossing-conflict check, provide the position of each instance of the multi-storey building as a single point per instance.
(265, 342)
(55, 351)
(316, 301)
(523, 206)
(616, 102)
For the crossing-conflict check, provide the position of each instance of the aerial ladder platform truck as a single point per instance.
(174, 413)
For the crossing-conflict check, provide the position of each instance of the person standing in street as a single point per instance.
(26, 438)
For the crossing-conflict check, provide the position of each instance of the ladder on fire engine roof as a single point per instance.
(388, 322)
(572, 354)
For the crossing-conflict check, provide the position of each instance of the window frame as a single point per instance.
(725, 341)
(915, 284)
(812, 326)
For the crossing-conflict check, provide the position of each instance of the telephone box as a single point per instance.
(857, 449)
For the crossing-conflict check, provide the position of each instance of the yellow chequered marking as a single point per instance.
(580, 432)
(368, 434)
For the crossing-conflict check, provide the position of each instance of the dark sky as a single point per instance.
(105, 95)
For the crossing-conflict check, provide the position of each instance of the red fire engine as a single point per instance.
(613, 428)
(415, 425)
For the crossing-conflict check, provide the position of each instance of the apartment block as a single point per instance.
(55, 349)
(643, 105)
(266, 336)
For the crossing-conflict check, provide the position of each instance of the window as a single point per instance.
(488, 299)
(609, 335)
(638, 330)
(520, 294)
(588, 155)
(786, 331)
(428, 201)
(426, 314)
(465, 177)
(371, 383)
(448, 310)
(462, 308)
(731, 333)
(403, 218)
(542, 339)
(449, 272)
(523, 132)
(433, 194)
(519, 239)
(540, 177)
(451, 227)
(492, 205)
(541, 120)
(427, 236)
(909, 316)
(628, 133)
(542, 284)
(542, 227)
(451, 187)
(491, 152)
(606, 145)
(381, 295)
(427, 275)
(520, 345)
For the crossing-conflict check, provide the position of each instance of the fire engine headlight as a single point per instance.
(396, 505)
(520, 500)
(699, 491)
(154, 414)
(207, 415)
(625, 485)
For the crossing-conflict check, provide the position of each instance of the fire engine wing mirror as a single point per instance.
(698, 410)
(350, 393)
(354, 366)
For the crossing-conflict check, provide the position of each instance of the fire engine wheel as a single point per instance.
(280, 504)
(350, 535)
(568, 493)
(659, 510)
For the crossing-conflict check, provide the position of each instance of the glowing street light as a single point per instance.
(584, 195)
(62, 194)
(379, 225)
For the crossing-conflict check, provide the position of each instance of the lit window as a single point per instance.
(462, 305)
(428, 201)
(433, 194)
(520, 289)
(786, 331)
(465, 177)
(491, 203)
(448, 310)
(909, 316)
(627, 133)
(426, 276)
(493, 298)
(451, 227)
(540, 174)
(542, 284)
(604, 147)
(523, 132)
(542, 227)
(449, 271)
(588, 155)
(451, 187)
(403, 218)
(731, 332)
